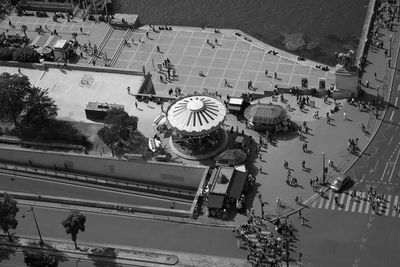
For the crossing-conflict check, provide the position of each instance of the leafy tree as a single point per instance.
(26, 54)
(8, 211)
(6, 54)
(13, 90)
(74, 223)
(39, 107)
(119, 127)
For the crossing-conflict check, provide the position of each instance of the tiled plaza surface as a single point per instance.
(239, 59)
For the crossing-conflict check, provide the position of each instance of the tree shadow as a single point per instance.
(33, 252)
(5, 250)
(103, 257)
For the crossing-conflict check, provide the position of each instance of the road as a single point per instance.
(136, 232)
(30, 185)
(351, 234)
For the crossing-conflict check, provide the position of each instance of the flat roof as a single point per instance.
(59, 44)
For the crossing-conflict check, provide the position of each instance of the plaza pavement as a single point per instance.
(239, 61)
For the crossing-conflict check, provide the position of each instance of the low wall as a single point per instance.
(362, 46)
(40, 66)
(167, 174)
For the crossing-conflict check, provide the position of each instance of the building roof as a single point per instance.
(60, 44)
(196, 115)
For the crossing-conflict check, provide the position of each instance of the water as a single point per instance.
(314, 29)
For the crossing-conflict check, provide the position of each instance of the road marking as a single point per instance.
(391, 116)
(348, 202)
(374, 169)
(321, 202)
(314, 203)
(341, 204)
(334, 202)
(395, 164)
(354, 206)
(361, 203)
(384, 171)
(391, 138)
(366, 207)
(395, 202)
(395, 102)
(329, 200)
(388, 205)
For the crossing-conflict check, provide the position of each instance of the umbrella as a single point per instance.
(232, 156)
(265, 114)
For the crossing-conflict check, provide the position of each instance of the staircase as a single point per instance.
(103, 42)
(121, 46)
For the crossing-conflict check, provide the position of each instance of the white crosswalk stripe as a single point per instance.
(359, 204)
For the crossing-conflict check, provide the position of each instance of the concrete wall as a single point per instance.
(167, 174)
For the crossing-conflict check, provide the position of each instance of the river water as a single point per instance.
(314, 29)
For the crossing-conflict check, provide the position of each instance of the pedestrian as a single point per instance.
(330, 162)
(367, 83)
(278, 202)
(260, 157)
(344, 116)
(259, 196)
(305, 147)
(266, 72)
(136, 104)
(158, 49)
(353, 194)
(81, 29)
(226, 83)
(302, 221)
(300, 256)
(275, 75)
(285, 164)
(9, 22)
(19, 71)
(303, 163)
(147, 35)
(375, 75)
(336, 200)
(128, 89)
(260, 169)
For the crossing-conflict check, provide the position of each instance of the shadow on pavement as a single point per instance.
(103, 257)
(5, 250)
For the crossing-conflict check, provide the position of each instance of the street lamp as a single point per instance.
(323, 167)
(41, 243)
(390, 46)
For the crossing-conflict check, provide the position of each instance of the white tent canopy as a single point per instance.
(196, 115)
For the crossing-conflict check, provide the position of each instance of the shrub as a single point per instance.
(26, 54)
(6, 54)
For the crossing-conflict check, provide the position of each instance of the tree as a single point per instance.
(119, 127)
(8, 212)
(74, 223)
(13, 90)
(26, 54)
(39, 107)
(6, 53)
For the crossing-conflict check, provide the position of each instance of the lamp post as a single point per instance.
(377, 102)
(37, 226)
(390, 46)
(323, 168)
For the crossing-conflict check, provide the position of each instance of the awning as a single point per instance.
(234, 107)
(215, 201)
(239, 179)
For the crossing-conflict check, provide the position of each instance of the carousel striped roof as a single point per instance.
(265, 114)
(196, 115)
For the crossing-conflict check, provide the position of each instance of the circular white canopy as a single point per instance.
(196, 115)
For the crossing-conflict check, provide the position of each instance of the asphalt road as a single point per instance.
(136, 232)
(87, 192)
(351, 234)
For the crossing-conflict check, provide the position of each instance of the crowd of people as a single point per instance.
(265, 246)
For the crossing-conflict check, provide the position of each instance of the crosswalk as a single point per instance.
(358, 204)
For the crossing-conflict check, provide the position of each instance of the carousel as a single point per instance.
(270, 117)
(196, 122)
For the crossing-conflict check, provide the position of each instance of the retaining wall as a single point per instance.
(167, 174)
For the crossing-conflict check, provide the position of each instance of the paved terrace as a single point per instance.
(238, 59)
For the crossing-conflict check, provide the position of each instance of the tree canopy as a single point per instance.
(73, 224)
(8, 212)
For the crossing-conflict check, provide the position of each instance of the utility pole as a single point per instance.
(377, 102)
(323, 168)
(37, 226)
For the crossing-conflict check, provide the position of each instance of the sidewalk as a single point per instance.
(101, 254)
